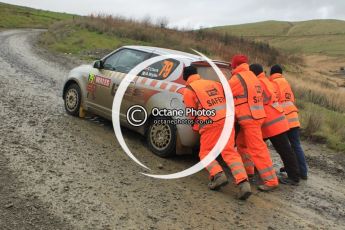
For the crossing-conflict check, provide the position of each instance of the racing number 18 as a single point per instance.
(166, 70)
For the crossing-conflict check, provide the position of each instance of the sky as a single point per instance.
(199, 13)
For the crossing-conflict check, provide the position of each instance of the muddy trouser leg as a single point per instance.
(258, 151)
(294, 137)
(282, 146)
(233, 160)
(208, 139)
(242, 150)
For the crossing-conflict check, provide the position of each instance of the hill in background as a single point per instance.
(310, 37)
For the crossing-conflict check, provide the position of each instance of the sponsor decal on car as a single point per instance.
(91, 78)
(102, 81)
(91, 88)
(160, 70)
(98, 80)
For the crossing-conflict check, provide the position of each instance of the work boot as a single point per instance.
(245, 190)
(218, 181)
(266, 188)
(288, 181)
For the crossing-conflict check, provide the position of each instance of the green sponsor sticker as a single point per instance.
(91, 78)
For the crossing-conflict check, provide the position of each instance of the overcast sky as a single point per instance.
(197, 13)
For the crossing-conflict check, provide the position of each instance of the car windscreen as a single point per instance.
(124, 60)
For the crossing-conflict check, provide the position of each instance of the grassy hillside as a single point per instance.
(100, 34)
(311, 37)
(268, 28)
(12, 16)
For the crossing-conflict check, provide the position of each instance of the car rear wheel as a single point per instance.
(161, 137)
(72, 99)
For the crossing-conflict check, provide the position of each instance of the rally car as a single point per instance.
(92, 88)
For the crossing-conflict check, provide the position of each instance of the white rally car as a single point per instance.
(92, 88)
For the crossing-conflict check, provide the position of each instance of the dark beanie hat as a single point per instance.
(276, 69)
(188, 71)
(257, 69)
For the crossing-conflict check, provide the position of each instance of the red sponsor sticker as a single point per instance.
(91, 87)
(102, 81)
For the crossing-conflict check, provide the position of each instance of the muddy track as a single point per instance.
(61, 172)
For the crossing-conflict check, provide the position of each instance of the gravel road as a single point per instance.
(61, 172)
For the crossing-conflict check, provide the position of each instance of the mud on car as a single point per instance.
(92, 88)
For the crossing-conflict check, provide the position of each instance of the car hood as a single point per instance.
(81, 70)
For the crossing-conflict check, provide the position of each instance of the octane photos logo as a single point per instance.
(179, 115)
(217, 149)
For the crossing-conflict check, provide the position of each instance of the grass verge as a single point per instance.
(322, 125)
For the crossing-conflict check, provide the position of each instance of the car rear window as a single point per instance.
(208, 73)
(160, 70)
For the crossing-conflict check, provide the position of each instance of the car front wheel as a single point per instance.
(72, 99)
(161, 137)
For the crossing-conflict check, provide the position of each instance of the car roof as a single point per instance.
(164, 51)
(188, 58)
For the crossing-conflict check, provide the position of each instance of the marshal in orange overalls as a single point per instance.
(250, 115)
(198, 95)
(286, 99)
(275, 122)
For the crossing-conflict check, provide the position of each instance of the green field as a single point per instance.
(12, 16)
(85, 44)
(311, 37)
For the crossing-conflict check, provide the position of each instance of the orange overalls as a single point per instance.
(275, 122)
(286, 99)
(250, 115)
(206, 94)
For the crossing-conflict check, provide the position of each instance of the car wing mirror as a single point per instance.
(98, 64)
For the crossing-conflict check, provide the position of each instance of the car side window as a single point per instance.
(160, 70)
(125, 60)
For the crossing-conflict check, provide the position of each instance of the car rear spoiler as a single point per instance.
(220, 64)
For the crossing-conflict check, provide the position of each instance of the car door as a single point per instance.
(128, 59)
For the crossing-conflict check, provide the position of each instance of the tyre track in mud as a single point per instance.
(74, 171)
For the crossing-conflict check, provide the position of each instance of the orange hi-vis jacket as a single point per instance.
(275, 122)
(286, 99)
(205, 94)
(247, 92)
